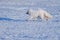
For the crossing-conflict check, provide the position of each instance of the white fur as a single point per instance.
(41, 13)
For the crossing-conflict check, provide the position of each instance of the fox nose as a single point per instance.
(27, 13)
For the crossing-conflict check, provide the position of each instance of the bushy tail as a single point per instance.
(48, 15)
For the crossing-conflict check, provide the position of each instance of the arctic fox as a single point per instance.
(39, 13)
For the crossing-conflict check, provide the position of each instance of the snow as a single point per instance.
(14, 24)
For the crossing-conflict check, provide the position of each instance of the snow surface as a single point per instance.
(14, 24)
